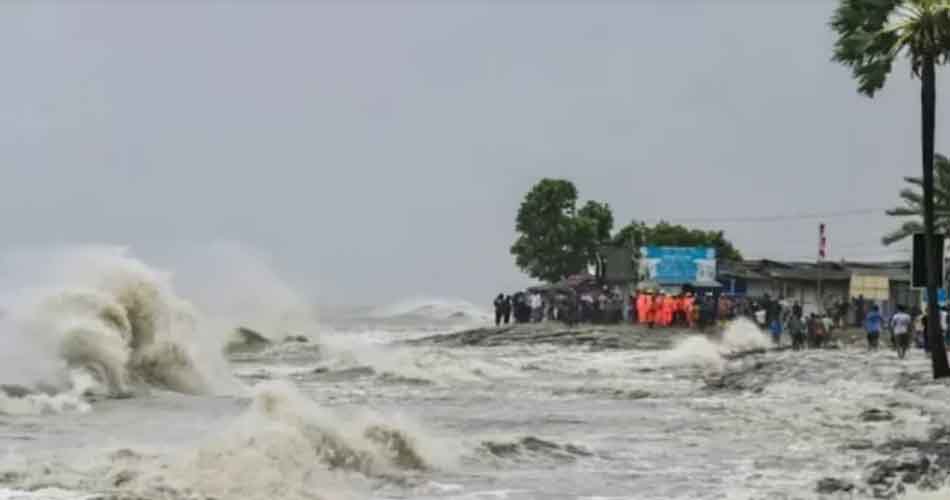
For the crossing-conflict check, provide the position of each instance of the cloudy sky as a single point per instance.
(372, 151)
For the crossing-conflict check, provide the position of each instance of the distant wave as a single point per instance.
(432, 309)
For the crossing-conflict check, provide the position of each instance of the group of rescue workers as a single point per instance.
(657, 309)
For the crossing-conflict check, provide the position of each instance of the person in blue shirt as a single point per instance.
(872, 325)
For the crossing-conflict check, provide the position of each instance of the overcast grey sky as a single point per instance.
(374, 151)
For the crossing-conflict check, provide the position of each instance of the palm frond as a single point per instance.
(906, 229)
(863, 43)
(911, 197)
(873, 33)
(904, 212)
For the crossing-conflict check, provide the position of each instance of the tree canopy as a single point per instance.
(556, 240)
(872, 34)
(638, 234)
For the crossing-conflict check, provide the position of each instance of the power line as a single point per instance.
(896, 253)
(774, 218)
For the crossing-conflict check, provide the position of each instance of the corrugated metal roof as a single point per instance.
(811, 271)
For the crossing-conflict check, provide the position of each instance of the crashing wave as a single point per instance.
(121, 326)
(283, 446)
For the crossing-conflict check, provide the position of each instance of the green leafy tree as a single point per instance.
(638, 234)
(632, 235)
(555, 239)
(872, 34)
(914, 204)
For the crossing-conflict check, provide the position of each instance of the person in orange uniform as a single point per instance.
(651, 306)
(656, 309)
(668, 307)
(649, 309)
(689, 308)
(641, 307)
(679, 312)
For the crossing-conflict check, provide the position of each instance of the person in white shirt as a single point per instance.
(760, 317)
(944, 320)
(537, 312)
(900, 324)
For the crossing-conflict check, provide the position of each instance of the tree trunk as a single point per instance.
(928, 98)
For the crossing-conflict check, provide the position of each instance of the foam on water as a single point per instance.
(40, 403)
(43, 494)
(284, 446)
(916, 494)
(431, 364)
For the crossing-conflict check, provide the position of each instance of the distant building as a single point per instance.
(886, 283)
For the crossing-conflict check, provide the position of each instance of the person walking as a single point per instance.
(812, 329)
(901, 324)
(796, 328)
(821, 332)
(775, 327)
(872, 325)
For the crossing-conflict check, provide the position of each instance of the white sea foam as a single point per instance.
(287, 446)
(916, 494)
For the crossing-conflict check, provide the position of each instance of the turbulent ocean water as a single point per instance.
(117, 386)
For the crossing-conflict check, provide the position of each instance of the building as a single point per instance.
(886, 283)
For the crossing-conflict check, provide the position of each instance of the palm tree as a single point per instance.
(872, 34)
(914, 205)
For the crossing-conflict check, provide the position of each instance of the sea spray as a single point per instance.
(695, 351)
(743, 335)
(100, 311)
(702, 352)
(235, 286)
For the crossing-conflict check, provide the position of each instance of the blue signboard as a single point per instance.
(678, 265)
(941, 296)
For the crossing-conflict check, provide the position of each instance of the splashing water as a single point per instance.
(115, 319)
(283, 446)
(701, 352)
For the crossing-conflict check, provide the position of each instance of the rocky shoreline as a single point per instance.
(624, 336)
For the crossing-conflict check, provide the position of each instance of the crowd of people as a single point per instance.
(606, 306)
(778, 317)
(906, 327)
(652, 308)
(600, 307)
